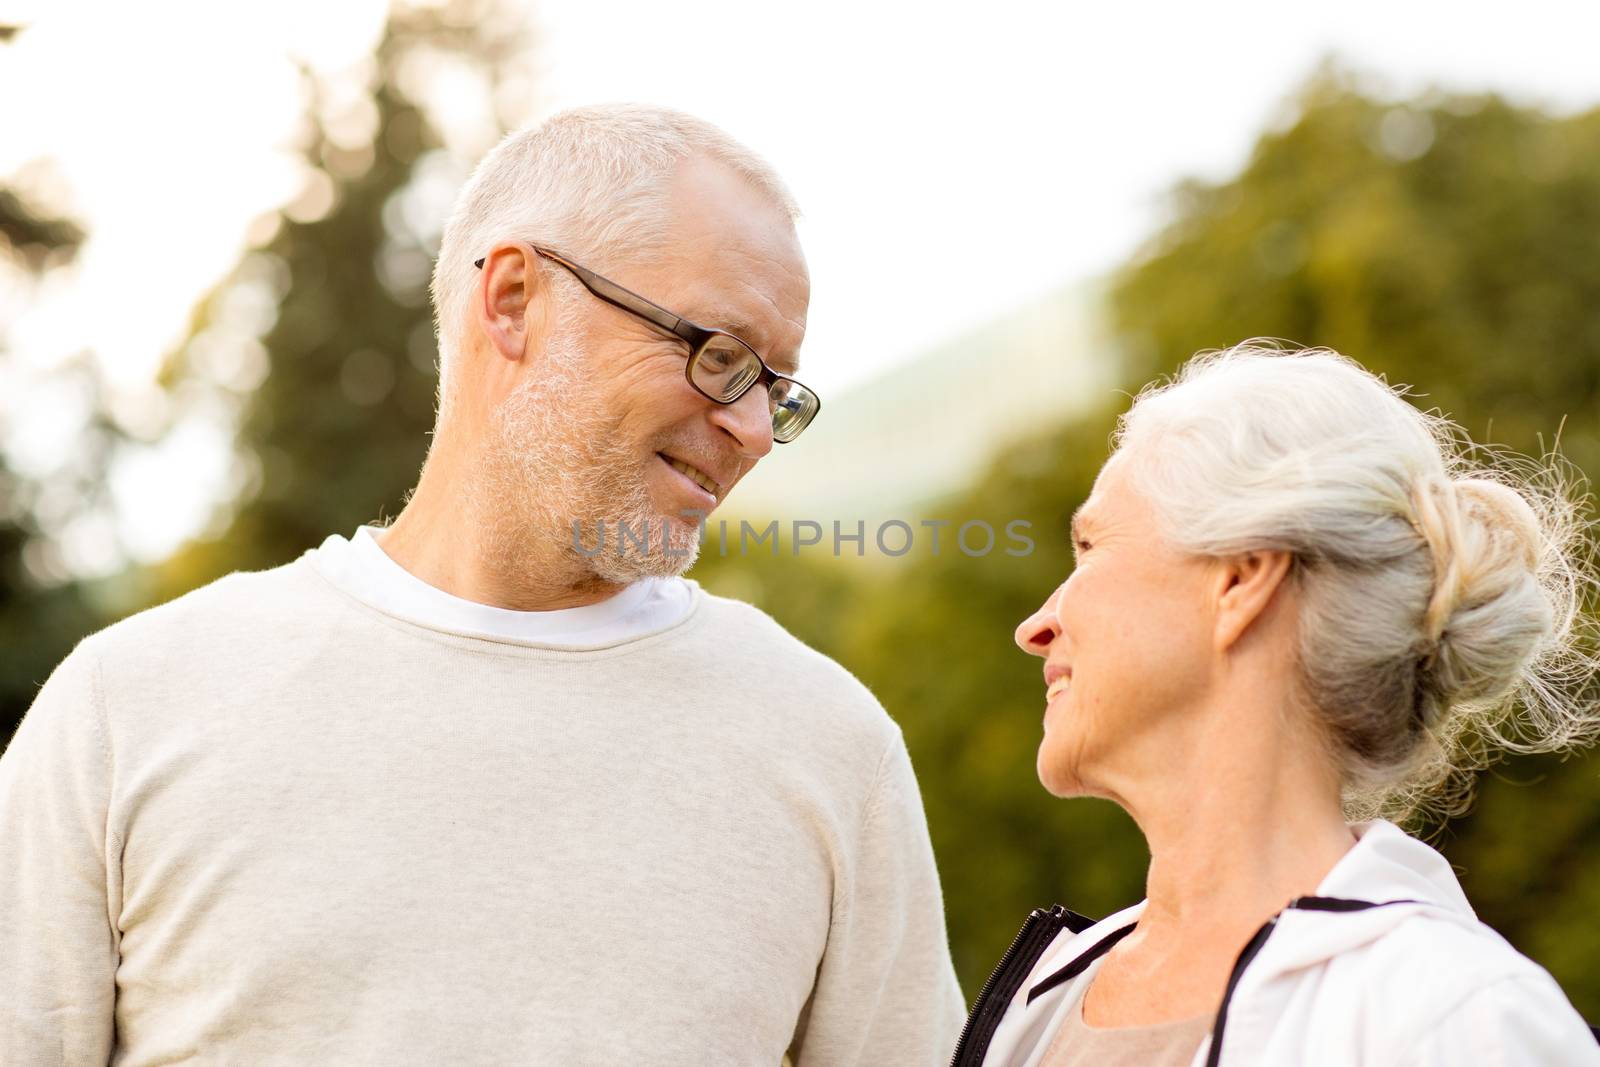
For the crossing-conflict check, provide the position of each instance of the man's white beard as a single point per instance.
(559, 467)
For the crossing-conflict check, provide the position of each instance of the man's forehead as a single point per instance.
(735, 261)
(752, 328)
(760, 319)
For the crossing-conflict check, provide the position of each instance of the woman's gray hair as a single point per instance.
(592, 183)
(1443, 584)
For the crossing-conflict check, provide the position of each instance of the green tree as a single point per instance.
(1447, 243)
(335, 433)
(41, 616)
(39, 620)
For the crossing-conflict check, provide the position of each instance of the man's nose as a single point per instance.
(748, 421)
(1039, 630)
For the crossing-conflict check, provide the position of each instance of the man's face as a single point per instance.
(604, 421)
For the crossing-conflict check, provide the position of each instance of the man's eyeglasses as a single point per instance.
(721, 367)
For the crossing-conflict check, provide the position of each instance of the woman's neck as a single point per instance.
(1240, 820)
(1238, 831)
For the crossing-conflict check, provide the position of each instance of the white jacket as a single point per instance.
(1329, 982)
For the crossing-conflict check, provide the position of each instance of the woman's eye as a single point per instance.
(1081, 545)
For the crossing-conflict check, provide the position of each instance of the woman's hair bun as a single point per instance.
(1488, 614)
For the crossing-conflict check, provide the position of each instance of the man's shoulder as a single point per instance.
(758, 634)
(227, 611)
(758, 639)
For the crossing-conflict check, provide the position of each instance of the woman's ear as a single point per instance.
(510, 300)
(1246, 585)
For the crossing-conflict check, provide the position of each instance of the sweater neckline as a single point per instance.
(359, 570)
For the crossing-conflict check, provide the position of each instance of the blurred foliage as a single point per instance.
(29, 236)
(39, 622)
(341, 418)
(42, 617)
(1446, 242)
(336, 433)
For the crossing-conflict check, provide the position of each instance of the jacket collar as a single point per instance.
(1386, 866)
(1386, 863)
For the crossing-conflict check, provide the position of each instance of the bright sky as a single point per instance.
(952, 160)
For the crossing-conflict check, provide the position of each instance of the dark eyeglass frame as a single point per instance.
(697, 337)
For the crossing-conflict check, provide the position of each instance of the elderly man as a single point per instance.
(495, 784)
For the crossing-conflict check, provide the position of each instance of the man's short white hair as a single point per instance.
(591, 182)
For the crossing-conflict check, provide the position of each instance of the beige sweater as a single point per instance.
(268, 824)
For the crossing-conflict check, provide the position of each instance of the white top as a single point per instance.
(1421, 983)
(361, 565)
(272, 823)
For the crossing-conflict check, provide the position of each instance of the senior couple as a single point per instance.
(460, 791)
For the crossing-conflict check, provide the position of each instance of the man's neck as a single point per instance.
(451, 537)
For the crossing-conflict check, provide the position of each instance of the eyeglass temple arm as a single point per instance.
(626, 299)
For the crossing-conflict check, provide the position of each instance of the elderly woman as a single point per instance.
(1294, 600)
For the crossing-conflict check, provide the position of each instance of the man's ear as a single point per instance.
(1245, 587)
(511, 299)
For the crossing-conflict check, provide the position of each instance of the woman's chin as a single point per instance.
(1058, 775)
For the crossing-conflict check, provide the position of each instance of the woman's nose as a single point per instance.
(1040, 629)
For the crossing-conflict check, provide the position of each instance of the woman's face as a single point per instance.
(1126, 643)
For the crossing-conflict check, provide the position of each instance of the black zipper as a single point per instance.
(1031, 941)
(1246, 954)
(1253, 947)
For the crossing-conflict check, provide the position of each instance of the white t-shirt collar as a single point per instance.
(366, 571)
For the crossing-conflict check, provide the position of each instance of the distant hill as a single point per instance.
(893, 446)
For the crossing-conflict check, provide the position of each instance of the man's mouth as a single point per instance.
(694, 474)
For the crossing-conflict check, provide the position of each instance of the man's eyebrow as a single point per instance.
(724, 319)
(734, 325)
(745, 332)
